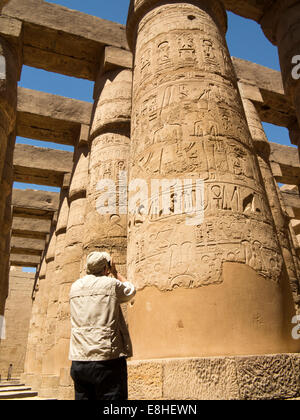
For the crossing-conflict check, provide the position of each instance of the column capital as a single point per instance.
(139, 8)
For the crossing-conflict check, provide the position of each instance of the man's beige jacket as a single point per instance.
(98, 328)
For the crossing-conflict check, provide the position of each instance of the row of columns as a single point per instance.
(235, 272)
(81, 228)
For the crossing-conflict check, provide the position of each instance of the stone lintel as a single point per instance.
(27, 246)
(115, 58)
(21, 260)
(43, 116)
(250, 91)
(34, 204)
(30, 228)
(296, 226)
(84, 135)
(291, 199)
(250, 9)
(42, 166)
(261, 377)
(273, 106)
(285, 164)
(64, 41)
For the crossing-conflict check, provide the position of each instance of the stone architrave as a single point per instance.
(281, 220)
(216, 287)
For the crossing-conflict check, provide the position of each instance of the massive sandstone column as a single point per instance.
(71, 270)
(36, 336)
(263, 150)
(217, 288)
(105, 227)
(50, 370)
(281, 24)
(9, 76)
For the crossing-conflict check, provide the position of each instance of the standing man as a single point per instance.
(100, 340)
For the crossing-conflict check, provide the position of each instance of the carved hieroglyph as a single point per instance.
(216, 287)
(188, 123)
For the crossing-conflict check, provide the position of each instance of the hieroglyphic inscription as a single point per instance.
(188, 122)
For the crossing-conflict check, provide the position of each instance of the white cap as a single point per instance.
(97, 261)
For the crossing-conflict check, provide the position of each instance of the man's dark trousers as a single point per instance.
(101, 380)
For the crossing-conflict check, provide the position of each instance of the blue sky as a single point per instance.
(245, 40)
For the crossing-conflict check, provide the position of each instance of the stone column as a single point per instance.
(281, 219)
(39, 284)
(73, 253)
(281, 24)
(35, 346)
(215, 288)
(50, 371)
(105, 228)
(9, 76)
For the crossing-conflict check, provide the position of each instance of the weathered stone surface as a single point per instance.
(35, 204)
(49, 386)
(57, 39)
(48, 117)
(23, 260)
(113, 59)
(145, 380)
(268, 377)
(291, 198)
(113, 102)
(116, 58)
(296, 226)
(285, 164)
(27, 246)
(30, 228)
(42, 166)
(10, 29)
(219, 378)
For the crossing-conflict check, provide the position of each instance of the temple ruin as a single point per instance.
(217, 299)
